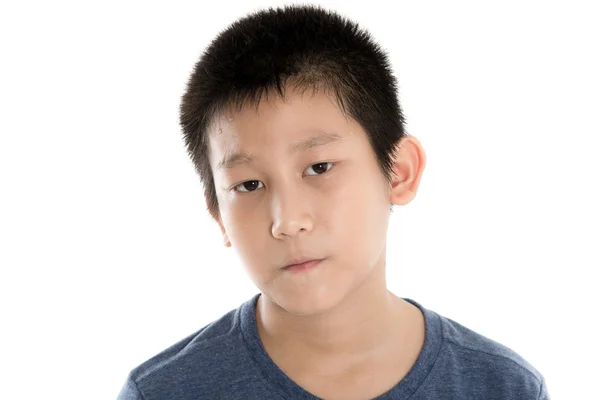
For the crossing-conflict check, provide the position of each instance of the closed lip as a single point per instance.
(301, 261)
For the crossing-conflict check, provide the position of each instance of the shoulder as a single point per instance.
(467, 341)
(201, 347)
(487, 361)
(196, 363)
(457, 362)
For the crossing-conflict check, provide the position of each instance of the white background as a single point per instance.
(108, 256)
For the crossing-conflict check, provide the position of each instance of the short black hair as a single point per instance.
(307, 48)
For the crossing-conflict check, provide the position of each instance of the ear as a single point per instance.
(226, 241)
(409, 163)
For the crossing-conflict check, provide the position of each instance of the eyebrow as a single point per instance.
(321, 139)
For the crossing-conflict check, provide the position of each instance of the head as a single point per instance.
(292, 121)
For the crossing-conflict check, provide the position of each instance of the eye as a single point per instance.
(252, 186)
(320, 168)
(248, 186)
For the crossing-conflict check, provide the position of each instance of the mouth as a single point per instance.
(304, 266)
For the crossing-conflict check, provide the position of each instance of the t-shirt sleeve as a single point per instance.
(544, 391)
(130, 391)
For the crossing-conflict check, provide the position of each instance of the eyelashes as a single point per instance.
(254, 185)
(245, 189)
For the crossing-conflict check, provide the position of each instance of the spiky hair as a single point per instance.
(304, 48)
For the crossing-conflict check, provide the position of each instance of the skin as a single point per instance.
(335, 329)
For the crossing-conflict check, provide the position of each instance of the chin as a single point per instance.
(307, 302)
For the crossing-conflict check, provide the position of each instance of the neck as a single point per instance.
(359, 327)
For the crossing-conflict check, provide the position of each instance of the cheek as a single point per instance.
(249, 236)
(357, 213)
(242, 234)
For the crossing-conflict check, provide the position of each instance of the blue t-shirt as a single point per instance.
(226, 360)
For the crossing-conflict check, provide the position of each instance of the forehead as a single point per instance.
(277, 123)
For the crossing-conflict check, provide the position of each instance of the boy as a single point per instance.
(292, 121)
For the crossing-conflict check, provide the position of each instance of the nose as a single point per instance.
(291, 214)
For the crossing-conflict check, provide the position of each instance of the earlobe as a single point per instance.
(226, 241)
(409, 163)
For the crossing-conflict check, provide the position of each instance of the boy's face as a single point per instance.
(324, 200)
